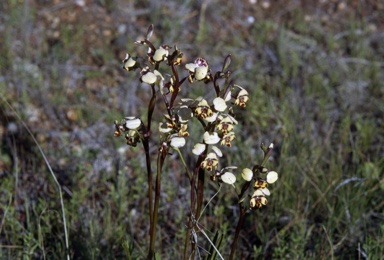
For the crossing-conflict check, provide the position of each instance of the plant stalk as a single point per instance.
(240, 223)
(160, 162)
(149, 180)
(193, 203)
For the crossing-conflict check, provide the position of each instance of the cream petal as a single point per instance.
(266, 191)
(247, 174)
(177, 142)
(272, 177)
(243, 92)
(128, 62)
(159, 54)
(219, 104)
(257, 193)
(217, 151)
(201, 72)
(228, 96)
(211, 138)
(228, 178)
(198, 148)
(149, 78)
(211, 118)
(132, 123)
(191, 67)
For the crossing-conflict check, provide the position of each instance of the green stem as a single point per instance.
(267, 154)
(185, 165)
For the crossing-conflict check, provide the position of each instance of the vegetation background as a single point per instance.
(314, 70)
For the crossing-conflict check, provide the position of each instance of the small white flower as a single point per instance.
(226, 124)
(177, 142)
(129, 62)
(199, 68)
(247, 174)
(227, 139)
(201, 72)
(241, 97)
(217, 151)
(211, 138)
(272, 176)
(210, 162)
(198, 149)
(228, 178)
(132, 122)
(160, 54)
(219, 104)
(271, 146)
(149, 77)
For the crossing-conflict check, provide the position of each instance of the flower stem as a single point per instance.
(160, 162)
(149, 180)
(177, 85)
(151, 108)
(200, 192)
(193, 203)
(199, 201)
(240, 222)
(184, 164)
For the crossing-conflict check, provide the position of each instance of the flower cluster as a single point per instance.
(261, 191)
(130, 127)
(217, 121)
(261, 177)
(198, 70)
(216, 115)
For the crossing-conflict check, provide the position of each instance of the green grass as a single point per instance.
(316, 90)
